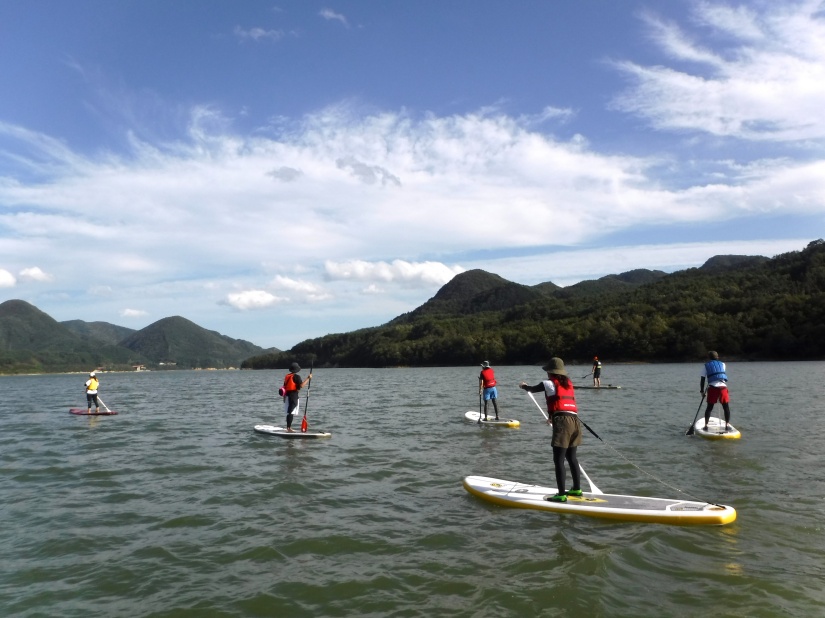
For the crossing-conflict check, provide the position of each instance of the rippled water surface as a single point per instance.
(175, 507)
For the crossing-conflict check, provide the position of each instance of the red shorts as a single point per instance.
(718, 394)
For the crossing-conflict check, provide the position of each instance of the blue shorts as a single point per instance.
(490, 393)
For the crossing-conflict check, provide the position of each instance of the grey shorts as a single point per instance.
(567, 430)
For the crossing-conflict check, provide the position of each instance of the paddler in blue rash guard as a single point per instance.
(714, 371)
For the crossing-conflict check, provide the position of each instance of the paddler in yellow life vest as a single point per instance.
(92, 385)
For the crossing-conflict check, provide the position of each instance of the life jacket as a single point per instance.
(488, 378)
(564, 399)
(93, 384)
(289, 383)
(715, 371)
(597, 364)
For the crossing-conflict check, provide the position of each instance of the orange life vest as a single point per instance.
(289, 383)
(564, 400)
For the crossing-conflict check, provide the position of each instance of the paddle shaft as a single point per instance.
(479, 407)
(690, 430)
(104, 405)
(306, 404)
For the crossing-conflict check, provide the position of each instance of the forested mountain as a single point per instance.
(746, 307)
(33, 342)
(181, 342)
(99, 331)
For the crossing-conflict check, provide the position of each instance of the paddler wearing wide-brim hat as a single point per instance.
(292, 386)
(567, 430)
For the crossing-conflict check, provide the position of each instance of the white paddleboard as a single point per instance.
(597, 388)
(295, 434)
(715, 430)
(491, 419)
(606, 506)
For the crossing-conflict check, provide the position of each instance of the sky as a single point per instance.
(281, 170)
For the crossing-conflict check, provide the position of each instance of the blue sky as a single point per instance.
(277, 171)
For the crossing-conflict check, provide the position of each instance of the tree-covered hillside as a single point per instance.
(745, 307)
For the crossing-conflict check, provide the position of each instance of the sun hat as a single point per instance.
(281, 391)
(713, 355)
(294, 367)
(485, 364)
(556, 366)
(91, 374)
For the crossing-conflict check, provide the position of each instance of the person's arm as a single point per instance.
(702, 385)
(538, 388)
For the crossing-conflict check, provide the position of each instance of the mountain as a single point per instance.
(746, 307)
(32, 341)
(184, 344)
(99, 331)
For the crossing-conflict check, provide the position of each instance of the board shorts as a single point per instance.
(597, 373)
(567, 430)
(718, 394)
(490, 393)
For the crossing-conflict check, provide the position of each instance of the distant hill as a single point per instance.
(99, 331)
(32, 341)
(473, 291)
(183, 343)
(746, 307)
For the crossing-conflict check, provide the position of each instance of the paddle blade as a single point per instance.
(304, 425)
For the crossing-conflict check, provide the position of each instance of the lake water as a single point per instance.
(176, 508)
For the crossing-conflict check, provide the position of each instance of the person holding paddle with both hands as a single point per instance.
(564, 417)
(714, 371)
(290, 392)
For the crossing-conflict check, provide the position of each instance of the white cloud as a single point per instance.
(7, 280)
(768, 83)
(252, 299)
(133, 313)
(329, 14)
(34, 274)
(428, 273)
(257, 34)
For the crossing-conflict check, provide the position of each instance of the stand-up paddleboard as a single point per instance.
(716, 429)
(597, 504)
(598, 388)
(82, 411)
(491, 419)
(297, 434)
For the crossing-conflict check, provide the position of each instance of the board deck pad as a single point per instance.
(295, 434)
(606, 506)
(716, 429)
(82, 412)
(491, 421)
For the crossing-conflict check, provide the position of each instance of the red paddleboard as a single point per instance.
(82, 411)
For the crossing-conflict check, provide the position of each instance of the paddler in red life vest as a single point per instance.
(291, 388)
(487, 387)
(714, 371)
(567, 429)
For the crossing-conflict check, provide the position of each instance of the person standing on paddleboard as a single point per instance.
(597, 371)
(714, 371)
(567, 430)
(291, 389)
(92, 384)
(487, 386)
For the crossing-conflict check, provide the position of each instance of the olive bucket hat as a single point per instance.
(295, 368)
(556, 366)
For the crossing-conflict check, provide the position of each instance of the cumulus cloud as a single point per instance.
(398, 271)
(252, 299)
(287, 174)
(767, 83)
(34, 274)
(370, 174)
(7, 280)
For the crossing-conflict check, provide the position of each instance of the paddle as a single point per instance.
(690, 430)
(593, 488)
(479, 407)
(104, 405)
(304, 424)
(583, 377)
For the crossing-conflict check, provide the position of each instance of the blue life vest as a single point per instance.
(715, 371)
